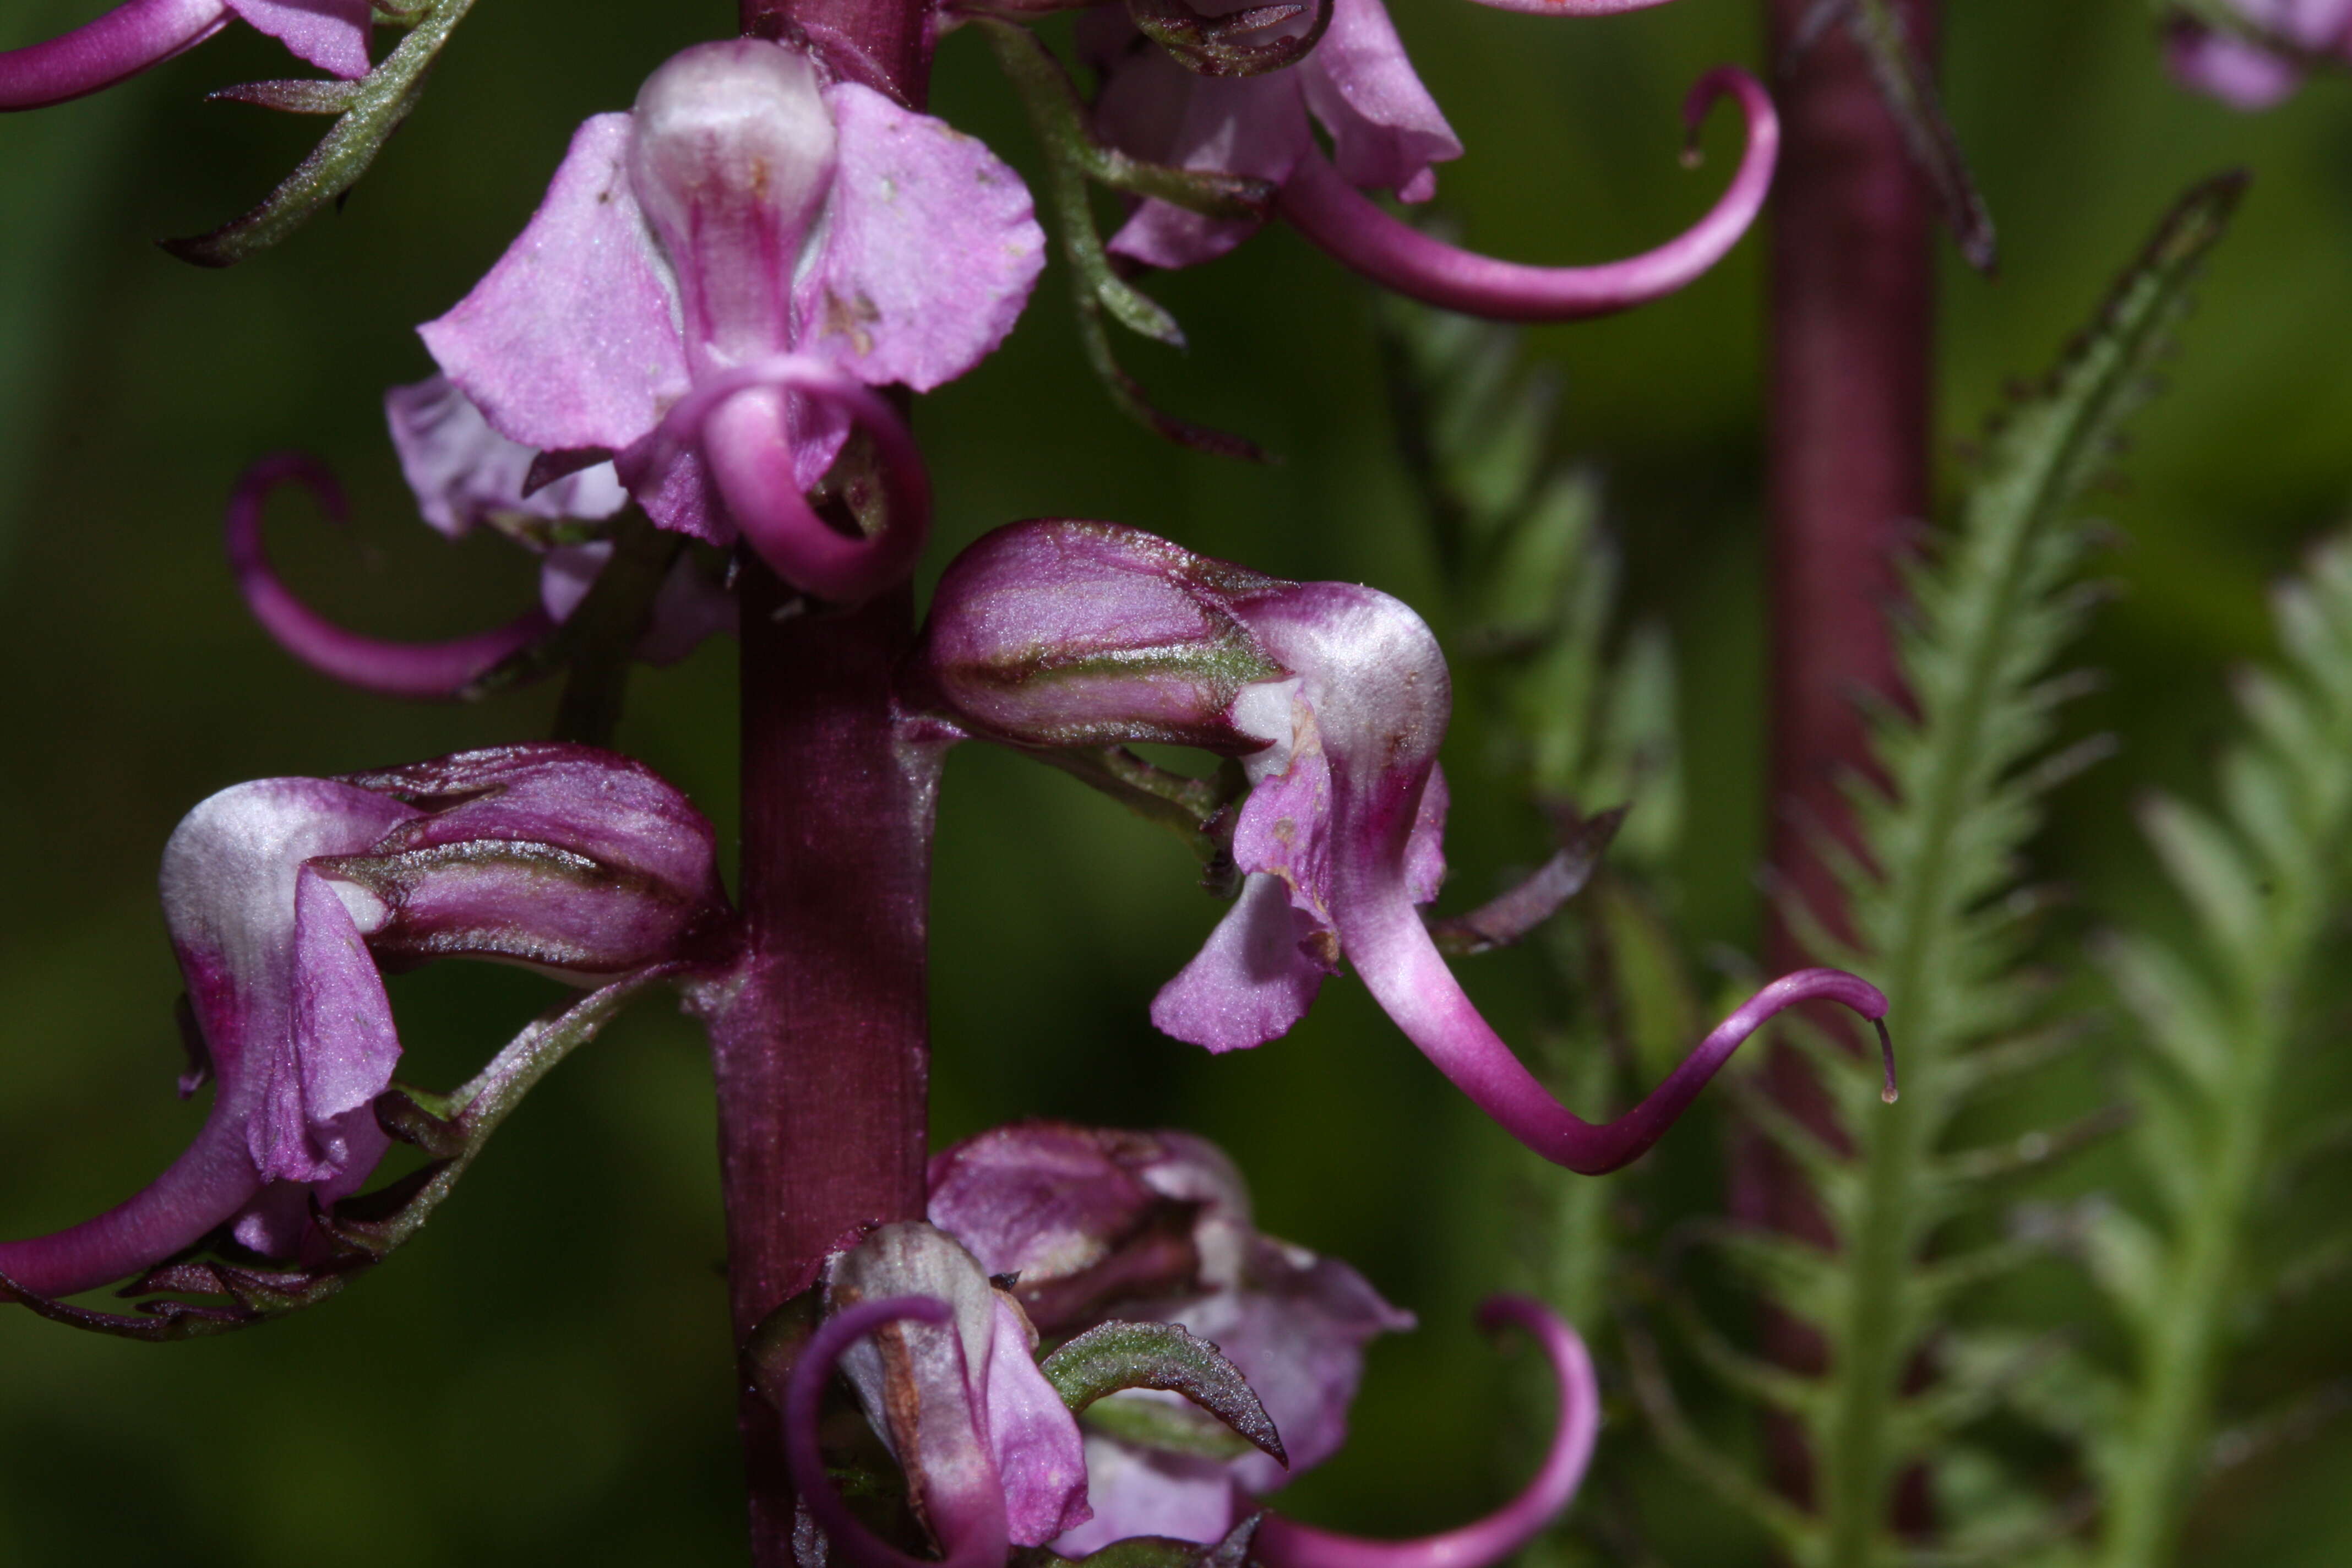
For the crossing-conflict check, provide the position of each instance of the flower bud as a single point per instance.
(567, 858)
(1064, 633)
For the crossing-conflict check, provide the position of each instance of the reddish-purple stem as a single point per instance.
(822, 1057)
(1852, 317)
(885, 43)
(823, 1054)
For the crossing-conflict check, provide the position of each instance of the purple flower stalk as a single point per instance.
(717, 278)
(1386, 133)
(1335, 697)
(2263, 66)
(283, 895)
(332, 35)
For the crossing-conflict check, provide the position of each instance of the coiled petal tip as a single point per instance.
(1286, 1544)
(416, 669)
(1364, 236)
(804, 1399)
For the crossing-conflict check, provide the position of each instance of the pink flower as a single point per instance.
(1386, 134)
(283, 895)
(717, 278)
(1334, 698)
(332, 35)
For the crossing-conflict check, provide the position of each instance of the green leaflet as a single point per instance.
(1993, 613)
(2219, 1023)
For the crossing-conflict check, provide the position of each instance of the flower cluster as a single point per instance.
(1044, 1231)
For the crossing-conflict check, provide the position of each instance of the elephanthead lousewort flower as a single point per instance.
(716, 280)
(1093, 1232)
(2264, 62)
(1386, 133)
(284, 896)
(332, 35)
(1334, 698)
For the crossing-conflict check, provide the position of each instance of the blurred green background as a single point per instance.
(543, 1375)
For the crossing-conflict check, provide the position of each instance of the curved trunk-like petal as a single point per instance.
(1324, 206)
(571, 340)
(422, 670)
(1405, 973)
(929, 250)
(106, 50)
(983, 1545)
(329, 34)
(742, 422)
(1285, 1543)
(201, 1190)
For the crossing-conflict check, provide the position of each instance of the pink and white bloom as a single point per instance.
(717, 278)
(1334, 698)
(1387, 134)
(1097, 1224)
(332, 35)
(2245, 73)
(282, 898)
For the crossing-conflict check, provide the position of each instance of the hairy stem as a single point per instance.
(822, 1054)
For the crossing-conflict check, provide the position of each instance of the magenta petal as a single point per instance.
(1037, 1199)
(571, 340)
(1385, 129)
(464, 472)
(746, 430)
(105, 49)
(198, 1194)
(1284, 1544)
(373, 664)
(1573, 7)
(1040, 1459)
(1252, 980)
(1325, 207)
(1296, 1326)
(692, 605)
(1132, 1493)
(329, 34)
(341, 1045)
(930, 248)
(2240, 74)
(1241, 125)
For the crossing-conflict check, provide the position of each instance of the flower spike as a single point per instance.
(105, 50)
(373, 664)
(1284, 1544)
(1324, 206)
(743, 429)
(984, 1545)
